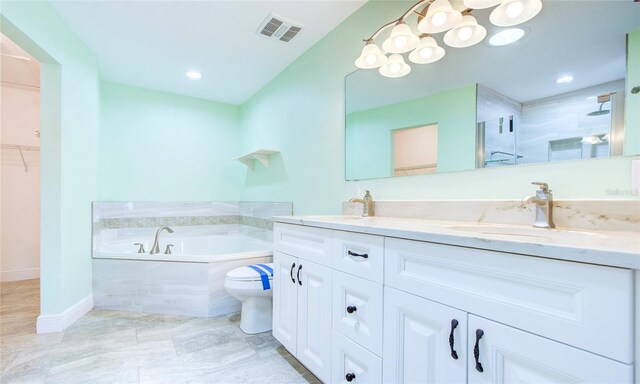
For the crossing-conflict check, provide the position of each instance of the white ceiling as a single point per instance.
(585, 39)
(17, 66)
(151, 44)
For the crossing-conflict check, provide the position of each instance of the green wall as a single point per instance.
(368, 133)
(301, 113)
(160, 146)
(70, 112)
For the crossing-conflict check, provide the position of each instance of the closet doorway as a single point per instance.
(19, 190)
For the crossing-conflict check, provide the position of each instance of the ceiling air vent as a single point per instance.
(279, 28)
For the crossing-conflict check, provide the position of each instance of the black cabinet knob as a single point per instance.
(350, 377)
(351, 308)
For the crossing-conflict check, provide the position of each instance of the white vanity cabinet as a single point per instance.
(395, 310)
(302, 297)
(551, 321)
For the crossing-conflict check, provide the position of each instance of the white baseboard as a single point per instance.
(20, 274)
(60, 321)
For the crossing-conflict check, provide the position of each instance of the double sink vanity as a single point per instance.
(466, 297)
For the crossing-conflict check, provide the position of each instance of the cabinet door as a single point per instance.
(314, 318)
(285, 300)
(508, 355)
(417, 345)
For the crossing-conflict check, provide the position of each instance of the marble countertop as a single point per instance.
(610, 248)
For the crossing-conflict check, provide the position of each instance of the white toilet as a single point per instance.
(252, 286)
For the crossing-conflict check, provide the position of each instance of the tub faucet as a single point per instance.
(156, 246)
(367, 204)
(544, 206)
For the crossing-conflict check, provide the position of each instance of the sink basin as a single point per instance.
(526, 233)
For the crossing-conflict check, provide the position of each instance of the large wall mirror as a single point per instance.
(495, 106)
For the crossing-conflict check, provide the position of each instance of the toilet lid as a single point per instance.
(250, 273)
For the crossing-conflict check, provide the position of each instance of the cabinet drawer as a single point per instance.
(351, 359)
(363, 299)
(507, 355)
(358, 254)
(584, 305)
(308, 243)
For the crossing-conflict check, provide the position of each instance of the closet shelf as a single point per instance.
(261, 155)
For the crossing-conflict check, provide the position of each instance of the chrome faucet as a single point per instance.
(544, 206)
(367, 204)
(156, 246)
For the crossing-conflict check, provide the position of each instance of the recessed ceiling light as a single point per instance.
(194, 75)
(506, 36)
(564, 79)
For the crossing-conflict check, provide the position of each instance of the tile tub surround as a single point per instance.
(116, 220)
(126, 347)
(182, 288)
(605, 215)
(115, 215)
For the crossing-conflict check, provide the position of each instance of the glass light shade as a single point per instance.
(395, 67)
(514, 12)
(466, 33)
(481, 4)
(427, 51)
(401, 40)
(439, 18)
(371, 57)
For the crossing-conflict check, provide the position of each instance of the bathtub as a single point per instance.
(189, 281)
(193, 249)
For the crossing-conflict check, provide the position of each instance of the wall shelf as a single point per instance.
(261, 155)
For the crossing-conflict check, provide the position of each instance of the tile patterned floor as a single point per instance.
(127, 347)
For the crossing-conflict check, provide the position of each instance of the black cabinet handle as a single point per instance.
(454, 324)
(363, 255)
(298, 274)
(351, 308)
(350, 376)
(291, 273)
(476, 350)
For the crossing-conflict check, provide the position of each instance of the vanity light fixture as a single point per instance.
(193, 75)
(401, 40)
(371, 57)
(506, 36)
(395, 67)
(514, 12)
(427, 51)
(564, 79)
(462, 30)
(466, 33)
(440, 17)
